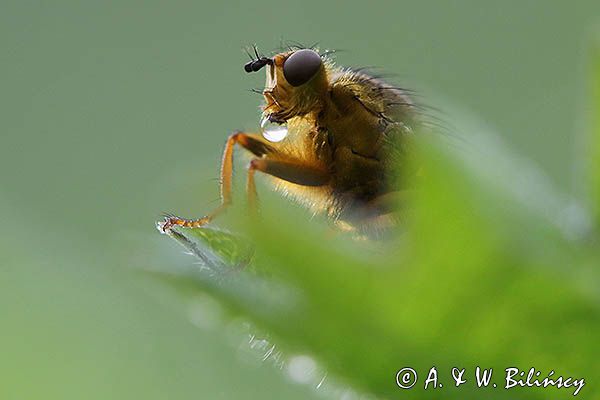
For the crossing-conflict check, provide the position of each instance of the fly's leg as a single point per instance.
(294, 171)
(251, 142)
(251, 189)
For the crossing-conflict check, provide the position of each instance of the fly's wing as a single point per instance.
(394, 105)
(398, 117)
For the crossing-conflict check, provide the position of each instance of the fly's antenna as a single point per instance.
(256, 64)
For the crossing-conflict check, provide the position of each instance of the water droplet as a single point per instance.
(273, 132)
(205, 312)
(302, 369)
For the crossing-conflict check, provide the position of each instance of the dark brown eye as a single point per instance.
(301, 66)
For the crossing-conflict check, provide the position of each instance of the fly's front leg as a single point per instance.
(251, 142)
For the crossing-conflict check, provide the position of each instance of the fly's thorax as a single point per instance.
(349, 125)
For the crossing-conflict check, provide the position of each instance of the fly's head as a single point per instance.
(296, 83)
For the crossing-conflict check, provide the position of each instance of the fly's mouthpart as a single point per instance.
(271, 118)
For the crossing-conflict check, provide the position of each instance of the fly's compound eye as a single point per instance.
(301, 66)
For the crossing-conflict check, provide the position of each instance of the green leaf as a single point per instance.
(215, 248)
(487, 273)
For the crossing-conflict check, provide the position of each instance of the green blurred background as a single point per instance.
(113, 112)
